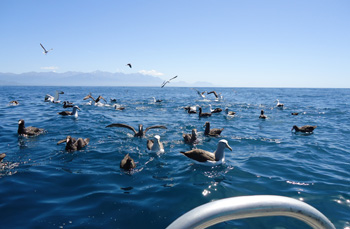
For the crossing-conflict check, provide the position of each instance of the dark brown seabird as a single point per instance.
(73, 144)
(203, 114)
(304, 129)
(29, 131)
(212, 132)
(127, 163)
(191, 138)
(262, 116)
(2, 156)
(140, 132)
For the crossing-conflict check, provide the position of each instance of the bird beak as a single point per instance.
(229, 147)
(60, 142)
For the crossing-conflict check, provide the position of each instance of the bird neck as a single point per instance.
(219, 153)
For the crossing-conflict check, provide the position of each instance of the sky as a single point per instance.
(232, 43)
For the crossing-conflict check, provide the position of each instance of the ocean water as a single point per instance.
(44, 186)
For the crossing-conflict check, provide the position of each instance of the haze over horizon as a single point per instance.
(230, 43)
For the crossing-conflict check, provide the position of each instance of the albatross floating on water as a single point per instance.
(304, 129)
(201, 114)
(216, 110)
(29, 131)
(212, 132)
(229, 113)
(279, 105)
(262, 116)
(209, 158)
(68, 113)
(53, 99)
(127, 163)
(73, 144)
(140, 132)
(45, 51)
(167, 81)
(14, 103)
(155, 145)
(191, 138)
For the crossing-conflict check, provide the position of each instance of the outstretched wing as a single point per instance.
(100, 97)
(154, 127)
(43, 47)
(123, 125)
(172, 78)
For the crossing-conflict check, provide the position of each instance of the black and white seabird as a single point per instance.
(14, 102)
(67, 104)
(127, 163)
(140, 132)
(156, 100)
(118, 107)
(217, 96)
(212, 132)
(216, 110)
(155, 145)
(73, 144)
(201, 114)
(201, 94)
(191, 138)
(229, 113)
(70, 113)
(53, 99)
(29, 131)
(262, 116)
(304, 129)
(89, 96)
(45, 51)
(209, 158)
(167, 81)
(279, 105)
(191, 109)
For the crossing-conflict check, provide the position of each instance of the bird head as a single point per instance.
(225, 143)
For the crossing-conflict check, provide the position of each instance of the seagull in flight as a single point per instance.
(168, 81)
(129, 65)
(45, 51)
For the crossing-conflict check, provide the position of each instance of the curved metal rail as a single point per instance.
(250, 206)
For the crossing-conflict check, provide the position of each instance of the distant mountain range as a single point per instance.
(97, 78)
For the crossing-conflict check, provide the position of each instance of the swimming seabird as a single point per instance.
(45, 51)
(73, 144)
(14, 103)
(113, 100)
(203, 114)
(67, 104)
(68, 113)
(167, 81)
(155, 145)
(2, 156)
(203, 156)
(129, 65)
(118, 107)
(95, 100)
(191, 138)
(127, 163)
(280, 105)
(201, 94)
(262, 115)
(229, 113)
(29, 131)
(156, 100)
(295, 113)
(140, 132)
(216, 110)
(304, 129)
(212, 132)
(191, 109)
(53, 99)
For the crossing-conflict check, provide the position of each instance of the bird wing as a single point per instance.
(187, 137)
(172, 78)
(200, 155)
(154, 127)
(43, 47)
(123, 125)
(88, 97)
(103, 98)
(150, 144)
(65, 113)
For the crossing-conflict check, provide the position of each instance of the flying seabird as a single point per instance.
(204, 156)
(129, 65)
(127, 163)
(191, 138)
(203, 114)
(212, 132)
(68, 113)
(140, 132)
(53, 99)
(280, 105)
(73, 144)
(95, 100)
(201, 94)
(29, 131)
(67, 104)
(304, 129)
(167, 81)
(45, 51)
(155, 145)
(216, 110)
(229, 113)
(262, 115)
(217, 96)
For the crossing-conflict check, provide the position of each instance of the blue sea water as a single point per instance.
(44, 186)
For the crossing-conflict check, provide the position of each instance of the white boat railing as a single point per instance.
(250, 206)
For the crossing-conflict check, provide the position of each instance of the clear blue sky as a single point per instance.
(272, 43)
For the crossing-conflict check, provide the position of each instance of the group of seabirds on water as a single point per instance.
(154, 144)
